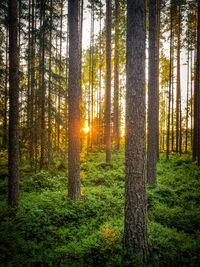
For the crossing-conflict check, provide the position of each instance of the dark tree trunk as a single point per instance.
(74, 191)
(187, 102)
(172, 82)
(108, 78)
(157, 73)
(13, 146)
(116, 79)
(100, 68)
(198, 80)
(152, 97)
(50, 89)
(135, 231)
(178, 84)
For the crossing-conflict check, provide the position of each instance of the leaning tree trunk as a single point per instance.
(13, 146)
(135, 228)
(74, 191)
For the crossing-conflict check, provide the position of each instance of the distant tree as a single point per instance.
(108, 79)
(135, 225)
(152, 97)
(116, 79)
(74, 191)
(13, 146)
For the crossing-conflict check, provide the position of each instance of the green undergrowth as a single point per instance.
(48, 229)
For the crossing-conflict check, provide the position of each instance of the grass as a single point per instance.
(48, 229)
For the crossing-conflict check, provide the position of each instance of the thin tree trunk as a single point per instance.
(50, 89)
(178, 85)
(100, 67)
(116, 79)
(157, 73)
(187, 100)
(5, 122)
(170, 79)
(13, 146)
(108, 78)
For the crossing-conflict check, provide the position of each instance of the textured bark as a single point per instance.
(32, 83)
(108, 78)
(170, 82)
(116, 79)
(198, 80)
(50, 87)
(74, 111)
(13, 146)
(187, 102)
(157, 73)
(100, 70)
(42, 84)
(178, 84)
(152, 97)
(135, 229)
(5, 122)
(191, 96)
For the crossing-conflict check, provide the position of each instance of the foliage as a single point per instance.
(48, 229)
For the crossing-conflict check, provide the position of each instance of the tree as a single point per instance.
(116, 79)
(152, 96)
(13, 146)
(108, 78)
(198, 79)
(74, 191)
(135, 228)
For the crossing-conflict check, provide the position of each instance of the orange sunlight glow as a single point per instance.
(86, 128)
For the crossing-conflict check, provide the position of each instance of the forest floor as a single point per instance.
(48, 229)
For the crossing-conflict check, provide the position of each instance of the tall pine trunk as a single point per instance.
(13, 146)
(152, 97)
(135, 228)
(108, 79)
(74, 191)
(116, 79)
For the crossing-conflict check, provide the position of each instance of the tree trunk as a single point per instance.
(74, 191)
(135, 231)
(152, 97)
(178, 84)
(187, 102)
(157, 73)
(108, 78)
(116, 79)
(5, 122)
(13, 146)
(198, 80)
(170, 79)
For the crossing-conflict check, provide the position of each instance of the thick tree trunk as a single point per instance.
(152, 97)
(74, 191)
(187, 102)
(100, 68)
(135, 231)
(108, 78)
(13, 146)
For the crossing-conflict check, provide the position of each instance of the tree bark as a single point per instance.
(152, 97)
(108, 78)
(135, 228)
(116, 79)
(13, 146)
(74, 191)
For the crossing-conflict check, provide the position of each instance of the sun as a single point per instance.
(86, 128)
